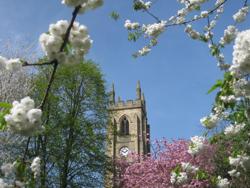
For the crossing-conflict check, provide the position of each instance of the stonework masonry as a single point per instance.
(128, 127)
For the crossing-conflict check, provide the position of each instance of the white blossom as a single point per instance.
(210, 121)
(79, 41)
(146, 5)
(192, 2)
(241, 53)
(228, 99)
(189, 168)
(233, 129)
(90, 4)
(229, 35)
(239, 161)
(85, 4)
(219, 2)
(204, 14)
(24, 118)
(191, 32)
(222, 183)
(10, 64)
(4, 184)
(154, 30)
(131, 25)
(178, 179)
(180, 20)
(7, 169)
(241, 88)
(35, 166)
(196, 145)
(144, 51)
(221, 61)
(233, 173)
(241, 14)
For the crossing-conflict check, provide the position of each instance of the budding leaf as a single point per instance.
(5, 105)
(218, 84)
(2, 121)
(114, 15)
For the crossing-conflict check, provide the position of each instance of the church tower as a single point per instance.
(128, 130)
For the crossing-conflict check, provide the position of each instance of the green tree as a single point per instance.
(73, 146)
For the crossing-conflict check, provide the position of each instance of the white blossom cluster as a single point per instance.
(154, 30)
(228, 99)
(239, 161)
(222, 182)
(178, 179)
(204, 14)
(210, 121)
(131, 25)
(146, 5)
(36, 166)
(233, 129)
(85, 4)
(8, 169)
(241, 14)
(144, 51)
(24, 118)
(10, 64)
(189, 168)
(241, 53)
(197, 144)
(151, 31)
(229, 35)
(9, 180)
(234, 173)
(191, 32)
(79, 41)
(182, 177)
(210, 26)
(219, 2)
(192, 2)
(242, 88)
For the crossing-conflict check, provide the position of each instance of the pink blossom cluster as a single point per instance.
(155, 170)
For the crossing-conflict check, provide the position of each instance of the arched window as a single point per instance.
(124, 126)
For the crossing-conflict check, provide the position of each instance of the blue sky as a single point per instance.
(174, 77)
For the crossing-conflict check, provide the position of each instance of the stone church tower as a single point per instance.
(128, 130)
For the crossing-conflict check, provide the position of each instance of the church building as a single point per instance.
(128, 130)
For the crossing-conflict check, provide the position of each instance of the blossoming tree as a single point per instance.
(230, 112)
(66, 42)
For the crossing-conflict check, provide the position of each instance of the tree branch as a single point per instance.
(55, 62)
(199, 18)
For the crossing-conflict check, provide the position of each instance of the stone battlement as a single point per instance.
(127, 104)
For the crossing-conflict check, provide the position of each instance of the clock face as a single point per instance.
(124, 151)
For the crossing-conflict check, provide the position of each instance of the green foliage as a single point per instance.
(5, 110)
(114, 15)
(202, 175)
(134, 36)
(5, 105)
(76, 118)
(217, 85)
(214, 50)
(177, 170)
(138, 5)
(203, 38)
